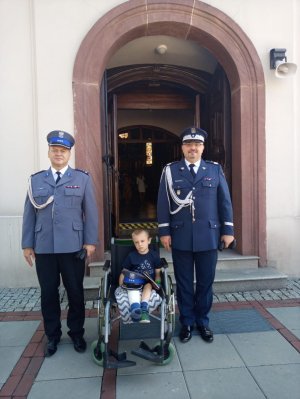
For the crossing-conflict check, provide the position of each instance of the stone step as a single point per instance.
(235, 273)
(226, 281)
(91, 287)
(249, 279)
(227, 260)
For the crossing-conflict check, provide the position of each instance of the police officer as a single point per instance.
(60, 227)
(194, 215)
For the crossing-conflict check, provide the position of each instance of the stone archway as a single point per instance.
(213, 29)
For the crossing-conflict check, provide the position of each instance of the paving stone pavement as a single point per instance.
(28, 299)
(255, 354)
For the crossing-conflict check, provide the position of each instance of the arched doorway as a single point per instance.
(232, 48)
(160, 99)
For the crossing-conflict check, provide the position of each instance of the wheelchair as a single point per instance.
(108, 313)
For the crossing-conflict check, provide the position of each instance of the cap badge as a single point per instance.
(61, 135)
(193, 131)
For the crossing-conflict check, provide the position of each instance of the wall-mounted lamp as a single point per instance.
(161, 49)
(278, 61)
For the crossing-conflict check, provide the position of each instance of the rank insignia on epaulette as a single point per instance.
(41, 171)
(172, 163)
(83, 171)
(215, 163)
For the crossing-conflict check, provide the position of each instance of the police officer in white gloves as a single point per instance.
(60, 229)
(194, 214)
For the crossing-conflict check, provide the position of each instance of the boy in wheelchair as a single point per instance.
(139, 262)
(114, 304)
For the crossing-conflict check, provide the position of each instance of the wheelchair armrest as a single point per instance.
(164, 263)
(106, 265)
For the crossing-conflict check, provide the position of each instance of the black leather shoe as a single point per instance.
(185, 333)
(206, 334)
(51, 347)
(79, 344)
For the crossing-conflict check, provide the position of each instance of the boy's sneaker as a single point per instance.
(145, 318)
(136, 314)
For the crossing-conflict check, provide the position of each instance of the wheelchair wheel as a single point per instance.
(171, 318)
(168, 355)
(97, 353)
(101, 307)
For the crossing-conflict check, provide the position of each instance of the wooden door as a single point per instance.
(113, 165)
(110, 165)
(218, 145)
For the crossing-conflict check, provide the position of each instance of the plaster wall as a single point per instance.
(269, 25)
(38, 46)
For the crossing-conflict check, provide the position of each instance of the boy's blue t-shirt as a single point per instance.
(143, 263)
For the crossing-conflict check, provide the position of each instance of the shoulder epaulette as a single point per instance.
(173, 163)
(169, 164)
(82, 171)
(215, 163)
(41, 171)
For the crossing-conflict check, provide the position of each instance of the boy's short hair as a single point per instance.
(136, 232)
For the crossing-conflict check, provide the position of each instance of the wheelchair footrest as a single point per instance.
(145, 352)
(119, 362)
(153, 357)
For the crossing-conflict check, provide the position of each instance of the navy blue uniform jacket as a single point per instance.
(213, 208)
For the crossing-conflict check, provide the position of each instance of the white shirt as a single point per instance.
(62, 172)
(196, 167)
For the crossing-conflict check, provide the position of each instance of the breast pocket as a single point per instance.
(73, 197)
(208, 186)
(41, 195)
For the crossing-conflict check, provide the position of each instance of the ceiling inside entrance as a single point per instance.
(161, 81)
(164, 50)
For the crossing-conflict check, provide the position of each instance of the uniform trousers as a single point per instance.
(49, 268)
(194, 303)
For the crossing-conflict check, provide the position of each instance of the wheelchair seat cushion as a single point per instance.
(121, 296)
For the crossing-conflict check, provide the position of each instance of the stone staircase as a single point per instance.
(235, 273)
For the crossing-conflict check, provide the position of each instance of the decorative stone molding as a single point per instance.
(214, 30)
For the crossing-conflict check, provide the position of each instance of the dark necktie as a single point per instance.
(58, 177)
(191, 166)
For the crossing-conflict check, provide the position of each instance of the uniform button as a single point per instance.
(194, 188)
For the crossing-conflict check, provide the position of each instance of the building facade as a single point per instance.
(125, 77)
